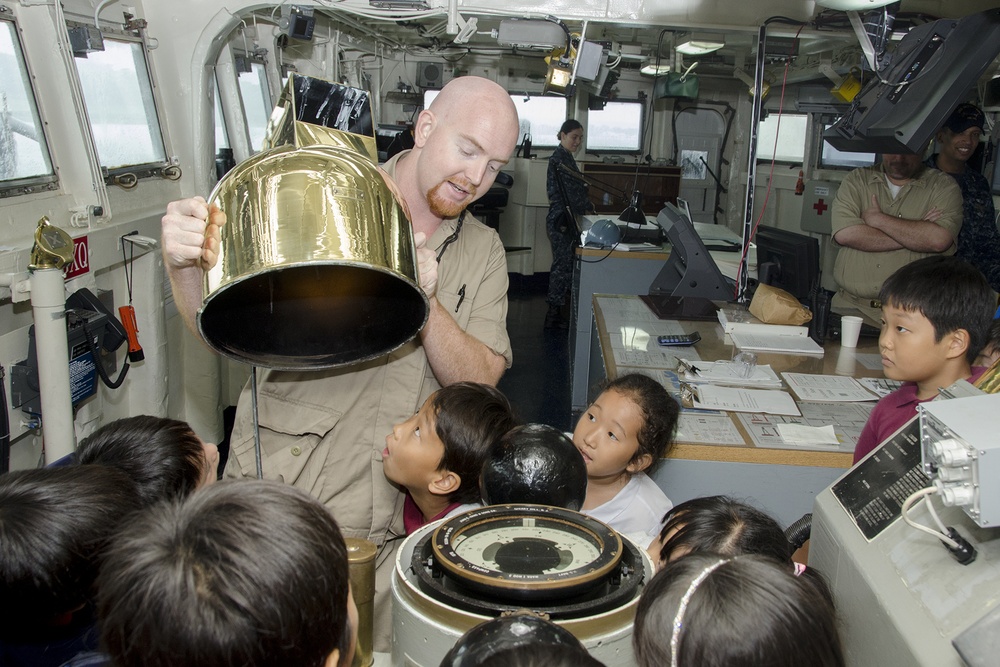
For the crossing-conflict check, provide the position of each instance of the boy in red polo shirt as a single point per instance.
(936, 313)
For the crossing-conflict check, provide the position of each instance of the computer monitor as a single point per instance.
(932, 69)
(685, 208)
(787, 260)
(690, 269)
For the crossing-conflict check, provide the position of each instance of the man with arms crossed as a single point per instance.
(885, 217)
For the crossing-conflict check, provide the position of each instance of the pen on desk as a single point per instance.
(461, 297)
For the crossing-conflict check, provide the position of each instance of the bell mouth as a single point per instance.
(314, 315)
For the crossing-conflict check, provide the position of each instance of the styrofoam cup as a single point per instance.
(850, 329)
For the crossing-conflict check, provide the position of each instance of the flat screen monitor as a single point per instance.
(690, 270)
(932, 69)
(685, 208)
(787, 260)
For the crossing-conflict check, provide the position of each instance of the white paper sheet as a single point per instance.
(712, 397)
(835, 388)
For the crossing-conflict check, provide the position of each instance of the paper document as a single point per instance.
(784, 344)
(725, 373)
(807, 436)
(881, 386)
(836, 388)
(712, 397)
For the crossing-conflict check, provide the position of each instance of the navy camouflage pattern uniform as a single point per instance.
(978, 240)
(562, 231)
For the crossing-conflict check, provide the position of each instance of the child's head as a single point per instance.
(719, 525)
(521, 639)
(241, 573)
(164, 457)
(709, 611)
(54, 526)
(628, 428)
(936, 310)
(991, 349)
(442, 448)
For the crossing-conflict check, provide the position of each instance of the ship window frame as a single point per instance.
(128, 173)
(26, 185)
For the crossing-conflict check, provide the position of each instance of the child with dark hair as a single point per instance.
(164, 457)
(242, 573)
(991, 349)
(55, 524)
(936, 313)
(719, 525)
(438, 453)
(623, 433)
(710, 611)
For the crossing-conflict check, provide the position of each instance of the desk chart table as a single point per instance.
(738, 454)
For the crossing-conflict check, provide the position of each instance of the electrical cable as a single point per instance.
(774, 150)
(97, 359)
(904, 512)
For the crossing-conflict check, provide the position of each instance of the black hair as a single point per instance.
(568, 126)
(241, 573)
(541, 655)
(163, 456)
(659, 411)
(721, 525)
(951, 293)
(747, 611)
(469, 418)
(55, 524)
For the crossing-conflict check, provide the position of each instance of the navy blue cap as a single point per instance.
(965, 116)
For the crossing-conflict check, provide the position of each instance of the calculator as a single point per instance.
(681, 340)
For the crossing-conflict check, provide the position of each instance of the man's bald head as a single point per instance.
(463, 94)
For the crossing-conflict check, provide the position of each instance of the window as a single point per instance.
(24, 155)
(539, 116)
(791, 137)
(119, 99)
(617, 128)
(256, 101)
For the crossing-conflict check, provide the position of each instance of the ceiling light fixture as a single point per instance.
(651, 68)
(700, 44)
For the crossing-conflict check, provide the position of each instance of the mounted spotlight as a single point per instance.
(558, 78)
(698, 44)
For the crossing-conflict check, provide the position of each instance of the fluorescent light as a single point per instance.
(652, 69)
(853, 5)
(699, 45)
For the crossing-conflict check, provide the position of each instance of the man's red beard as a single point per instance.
(445, 207)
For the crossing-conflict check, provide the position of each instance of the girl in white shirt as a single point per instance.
(623, 433)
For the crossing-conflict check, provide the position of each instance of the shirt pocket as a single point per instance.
(458, 304)
(290, 434)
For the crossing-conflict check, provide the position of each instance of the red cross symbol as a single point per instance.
(820, 207)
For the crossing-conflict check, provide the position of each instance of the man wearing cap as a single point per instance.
(885, 217)
(979, 240)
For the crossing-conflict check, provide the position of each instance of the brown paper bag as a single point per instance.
(772, 305)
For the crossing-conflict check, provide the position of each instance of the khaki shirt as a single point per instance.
(860, 274)
(324, 431)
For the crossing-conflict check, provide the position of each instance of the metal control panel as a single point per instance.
(961, 454)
